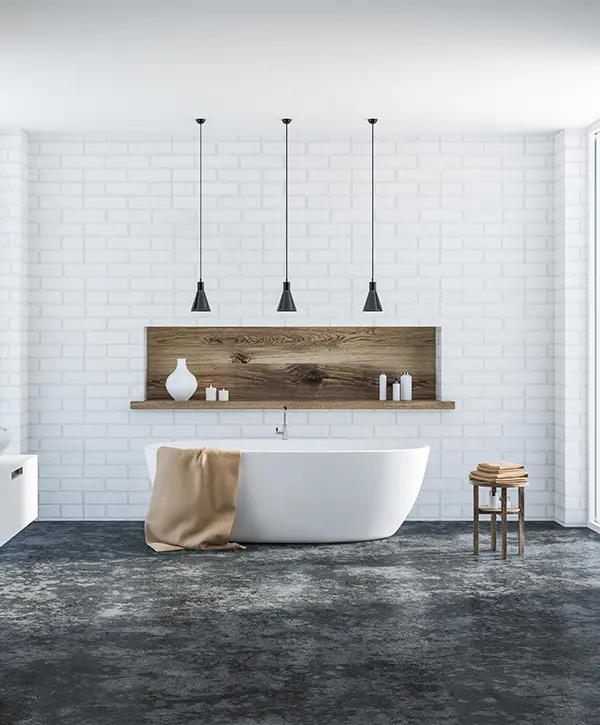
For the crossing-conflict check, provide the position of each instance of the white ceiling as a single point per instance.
(424, 65)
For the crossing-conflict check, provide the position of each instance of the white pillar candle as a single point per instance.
(406, 387)
(383, 386)
(211, 393)
(224, 395)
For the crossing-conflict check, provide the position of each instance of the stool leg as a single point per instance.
(494, 527)
(522, 521)
(475, 520)
(504, 522)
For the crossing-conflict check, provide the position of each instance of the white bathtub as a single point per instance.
(318, 491)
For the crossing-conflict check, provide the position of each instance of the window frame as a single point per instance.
(594, 329)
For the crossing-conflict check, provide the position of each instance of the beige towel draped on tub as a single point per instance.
(193, 499)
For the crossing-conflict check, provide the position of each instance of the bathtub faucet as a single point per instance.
(283, 431)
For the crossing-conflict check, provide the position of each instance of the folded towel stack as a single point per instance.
(499, 473)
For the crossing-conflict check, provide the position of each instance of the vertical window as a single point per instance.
(594, 459)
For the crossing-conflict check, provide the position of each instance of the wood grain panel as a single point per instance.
(295, 363)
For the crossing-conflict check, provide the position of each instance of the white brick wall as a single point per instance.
(464, 241)
(13, 287)
(571, 334)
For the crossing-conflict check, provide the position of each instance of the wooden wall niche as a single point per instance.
(293, 363)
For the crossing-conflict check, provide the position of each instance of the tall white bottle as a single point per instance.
(383, 386)
(406, 387)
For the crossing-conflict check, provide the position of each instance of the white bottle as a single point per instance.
(383, 386)
(181, 384)
(494, 503)
(396, 390)
(406, 387)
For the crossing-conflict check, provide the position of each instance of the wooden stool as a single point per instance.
(503, 511)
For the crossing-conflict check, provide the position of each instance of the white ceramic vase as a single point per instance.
(4, 439)
(181, 384)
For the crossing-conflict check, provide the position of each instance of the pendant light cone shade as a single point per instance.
(200, 300)
(372, 303)
(286, 302)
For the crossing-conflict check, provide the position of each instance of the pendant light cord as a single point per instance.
(372, 202)
(286, 202)
(200, 122)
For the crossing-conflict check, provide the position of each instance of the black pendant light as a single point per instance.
(372, 303)
(200, 300)
(286, 302)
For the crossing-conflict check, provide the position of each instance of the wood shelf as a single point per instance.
(293, 405)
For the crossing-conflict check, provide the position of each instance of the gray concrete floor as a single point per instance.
(95, 628)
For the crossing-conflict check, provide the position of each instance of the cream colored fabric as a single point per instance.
(508, 475)
(520, 481)
(500, 466)
(193, 499)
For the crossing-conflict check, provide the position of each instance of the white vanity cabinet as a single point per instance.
(18, 494)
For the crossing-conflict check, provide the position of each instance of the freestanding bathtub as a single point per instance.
(318, 491)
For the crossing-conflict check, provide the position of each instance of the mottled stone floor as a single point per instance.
(95, 629)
